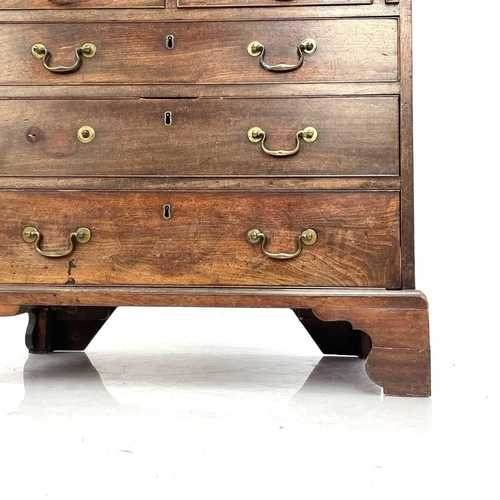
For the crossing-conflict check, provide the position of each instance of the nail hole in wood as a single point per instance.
(33, 134)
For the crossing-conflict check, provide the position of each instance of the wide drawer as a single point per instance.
(204, 240)
(200, 137)
(80, 4)
(348, 50)
(266, 3)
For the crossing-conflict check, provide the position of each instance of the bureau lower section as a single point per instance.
(201, 238)
(212, 157)
(70, 257)
(388, 328)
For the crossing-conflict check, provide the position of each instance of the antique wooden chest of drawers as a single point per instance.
(232, 153)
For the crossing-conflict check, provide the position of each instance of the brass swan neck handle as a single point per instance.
(32, 235)
(308, 47)
(39, 51)
(307, 237)
(256, 134)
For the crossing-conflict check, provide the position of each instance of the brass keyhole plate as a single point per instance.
(168, 118)
(170, 42)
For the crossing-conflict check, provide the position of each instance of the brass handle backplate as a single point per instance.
(32, 235)
(307, 237)
(308, 47)
(256, 134)
(86, 134)
(39, 51)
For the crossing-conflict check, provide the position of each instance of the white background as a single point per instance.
(457, 164)
(207, 402)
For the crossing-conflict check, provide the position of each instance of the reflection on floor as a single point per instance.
(70, 379)
(232, 412)
(63, 380)
(210, 420)
(333, 390)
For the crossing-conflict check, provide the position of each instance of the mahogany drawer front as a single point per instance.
(205, 240)
(349, 50)
(206, 137)
(266, 3)
(80, 4)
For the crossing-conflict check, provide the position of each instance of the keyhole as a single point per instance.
(166, 211)
(170, 42)
(168, 118)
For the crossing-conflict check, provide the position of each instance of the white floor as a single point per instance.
(176, 403)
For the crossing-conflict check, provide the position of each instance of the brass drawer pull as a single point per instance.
(86, 134)
(256, 134)
(32, 235)
(307, 237)
(308, 47)
(39, 51)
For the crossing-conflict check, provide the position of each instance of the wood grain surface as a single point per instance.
(81, 4)
(207, 137)
(406, 137)
(202, 183)
(350, 50)
(286, 10)
(401, 372)
(165, 91)
(266, 3)
(204, 242)
(392, 327)
(227, 296)
(6, 310)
